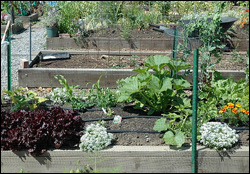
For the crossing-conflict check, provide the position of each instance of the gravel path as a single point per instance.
(20, 49)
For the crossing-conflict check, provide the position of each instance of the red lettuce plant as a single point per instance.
(39, 130)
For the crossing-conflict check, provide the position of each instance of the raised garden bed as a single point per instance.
(87, 66)
(26, 19)
(112, 39)
(14, 28)
(136, 148)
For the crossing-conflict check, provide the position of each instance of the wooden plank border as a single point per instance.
(44, 77)
(131, 159)
(112, 44)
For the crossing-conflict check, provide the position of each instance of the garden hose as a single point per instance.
(133, 131)
(123, 117)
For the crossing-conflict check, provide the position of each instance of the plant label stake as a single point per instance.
(104, 111)
(117, 119)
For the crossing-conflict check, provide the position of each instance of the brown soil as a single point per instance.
(128, 62)
(96, 61)
(117, 32)
(141, 124)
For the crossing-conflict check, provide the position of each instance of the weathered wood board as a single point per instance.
(130, 159)
(114, 44)
(44, 77)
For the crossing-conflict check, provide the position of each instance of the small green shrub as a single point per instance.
(23, 99)
(102, 97)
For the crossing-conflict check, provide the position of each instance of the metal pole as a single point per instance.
(194, 108)
(30, 31)
(12, 12)
(195, 7)
(9, 58)
(174, 48)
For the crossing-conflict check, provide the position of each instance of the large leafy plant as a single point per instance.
(223, 91)
(159, 91)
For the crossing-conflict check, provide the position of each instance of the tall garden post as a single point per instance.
(30, 30)
(194, 108)
(11, 6)
(174, 48)
(9, 58)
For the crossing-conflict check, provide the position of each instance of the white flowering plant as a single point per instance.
(68, 95)
(218, 135)
(59, 96)
(95, 138)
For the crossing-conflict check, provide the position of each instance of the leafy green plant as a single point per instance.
(109, 112)
(88, 12)
(224, 91)
(102, 97)
(50, 21)
(174, 130)
(67, 95)
(210, 34)
(119, 66)
(23, 100)
(62, 95)
(219, 93)
(247, 69)
(133, 61)
(125, 34)
(159, 92)
(80, 168)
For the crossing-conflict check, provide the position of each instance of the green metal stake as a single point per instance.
(9, 59)
(194, 107)
(174, 48)
(30, 33)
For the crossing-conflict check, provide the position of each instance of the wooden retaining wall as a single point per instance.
(130, 159)
(114, 44)
(44, 77)
(14, 28)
